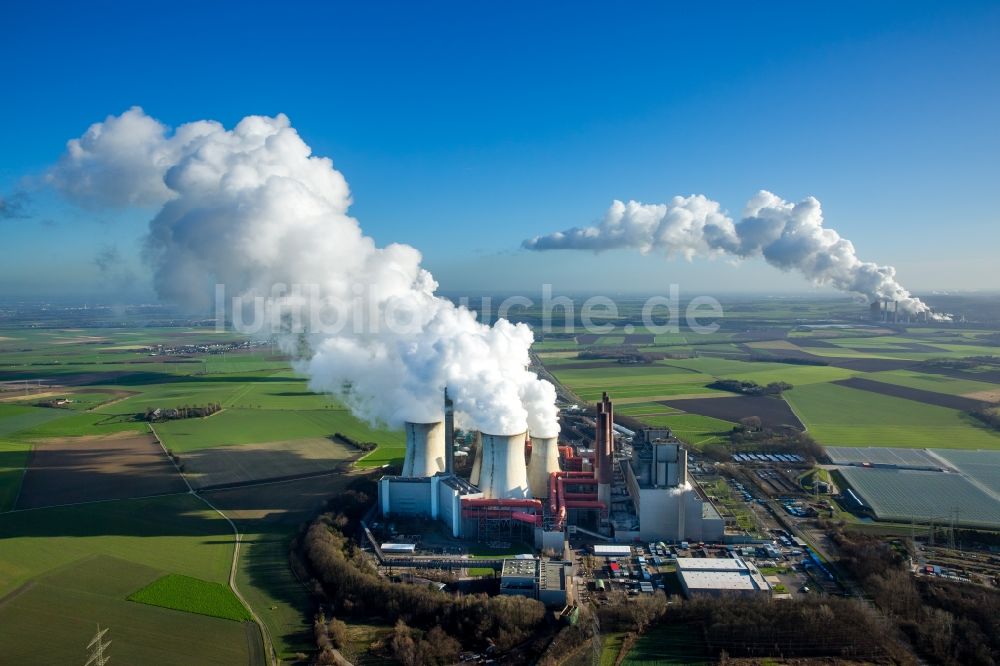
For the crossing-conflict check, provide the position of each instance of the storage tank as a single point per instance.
(503, 474)
(544, 461)
(424, 449)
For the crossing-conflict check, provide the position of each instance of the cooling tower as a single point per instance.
(503, 474)
(424, 449)
(544, 461)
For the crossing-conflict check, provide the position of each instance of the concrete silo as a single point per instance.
(425, 449)
(503, 474)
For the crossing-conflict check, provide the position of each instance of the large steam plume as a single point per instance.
(252, 208)
(788, 236)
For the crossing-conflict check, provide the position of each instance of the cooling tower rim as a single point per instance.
(423, 423)
(493, 434)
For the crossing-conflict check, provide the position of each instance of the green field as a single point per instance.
(250, 426)
(177, 533)
(838, 415)
(51, 621)
(931, 382)
(112, 377)
(192, 595)
(693, 429)
(833, 414)
(668, 645)
(18, 418)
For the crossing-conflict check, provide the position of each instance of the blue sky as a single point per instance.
(463, 128)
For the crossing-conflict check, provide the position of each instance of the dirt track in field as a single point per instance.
(87, 469)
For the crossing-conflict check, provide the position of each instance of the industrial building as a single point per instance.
(665, 502)
(706, 576)
(549, 582)
(528, 488)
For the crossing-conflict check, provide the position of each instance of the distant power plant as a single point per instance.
(884, 310)
(626, 486)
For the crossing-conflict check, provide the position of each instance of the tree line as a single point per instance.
(155, 414)
(359, 445)
(988, 415)
(949, 623)
(750, 388)
(431, 625)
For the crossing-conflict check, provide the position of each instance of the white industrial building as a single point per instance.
(612, 550)
(706, 576)
(438, 497)
(666, 503)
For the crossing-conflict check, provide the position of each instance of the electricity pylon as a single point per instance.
(98, 648)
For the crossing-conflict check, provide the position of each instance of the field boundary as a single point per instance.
(24, 473)
(237, 541)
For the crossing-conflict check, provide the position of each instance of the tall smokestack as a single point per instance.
(599, 432)
(424, 449)
(603, 460)
(449, 434)
(609, 439)
(503, 474)
(544, 461)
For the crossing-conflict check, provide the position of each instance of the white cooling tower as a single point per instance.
(424, 449)
(503, 474)
(544, 461)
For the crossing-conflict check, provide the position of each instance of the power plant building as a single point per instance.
(549, 582)
(561, 488)
(666, 503)
(438, 497)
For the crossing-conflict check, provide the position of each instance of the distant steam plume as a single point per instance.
(252, 208)
(788, 236)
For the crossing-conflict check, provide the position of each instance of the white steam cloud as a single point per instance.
(788, 236)
(252, 208)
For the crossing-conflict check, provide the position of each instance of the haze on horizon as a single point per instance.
(462, 131)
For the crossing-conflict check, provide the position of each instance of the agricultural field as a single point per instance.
(773, 411)
(232, 465)
(269, 453)
(94, 591)
(13, 459)
(268, 516)
(176, 533)
(73, 470)
(852, 385)
(254, 426)
(843, 416)
(192, 595)
(667, 645)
